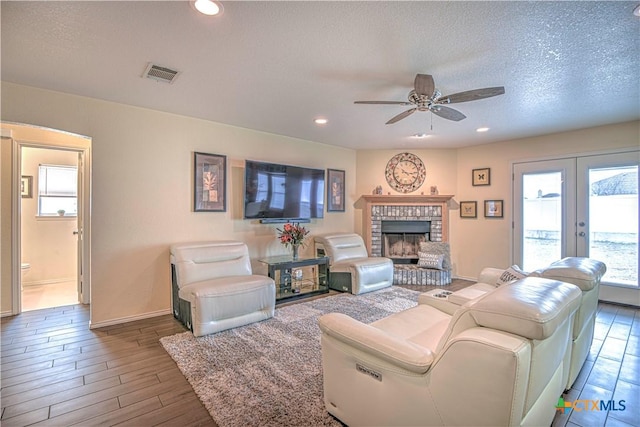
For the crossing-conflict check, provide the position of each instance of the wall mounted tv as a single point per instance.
(281, 193)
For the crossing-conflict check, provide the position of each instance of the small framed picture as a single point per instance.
(493, 209)
(209, 182)
(26, 186)
(481, 177)
(335, 190)
(468, 209)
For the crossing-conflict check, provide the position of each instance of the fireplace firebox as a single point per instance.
(401, 239)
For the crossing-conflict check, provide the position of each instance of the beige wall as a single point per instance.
(487, 242)
(5, 226)
(478, 243)
(142, 190)
(48, 244)
(370, 166)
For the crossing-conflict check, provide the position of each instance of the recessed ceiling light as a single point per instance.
(320, 121)
(482, 129)
(420, 135)
(636, 11)
(208, 7)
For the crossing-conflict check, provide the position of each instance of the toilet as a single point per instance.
(25, 267)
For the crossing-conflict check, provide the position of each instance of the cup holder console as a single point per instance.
(441, 294)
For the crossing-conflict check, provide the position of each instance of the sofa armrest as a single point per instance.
(366, 338)
(490, 275)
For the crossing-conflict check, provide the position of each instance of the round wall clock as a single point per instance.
(405, 172)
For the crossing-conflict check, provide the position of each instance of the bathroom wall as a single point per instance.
(47, 243)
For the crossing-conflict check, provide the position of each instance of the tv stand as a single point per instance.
(298, 278)
(283, 220)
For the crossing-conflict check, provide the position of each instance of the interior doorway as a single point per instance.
(48, 215)
(76, 216)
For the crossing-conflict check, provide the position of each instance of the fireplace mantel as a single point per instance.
(393, 199)
(416, 207)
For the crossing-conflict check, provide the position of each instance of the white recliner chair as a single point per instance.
(498, 361)
(351, 269)
(214, 288)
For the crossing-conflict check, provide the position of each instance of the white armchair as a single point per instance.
(214, 288)
(497, 361)
(351, 269)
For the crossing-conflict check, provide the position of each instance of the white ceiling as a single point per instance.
(275, 66)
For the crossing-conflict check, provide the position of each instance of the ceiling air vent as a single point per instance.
(160, 74)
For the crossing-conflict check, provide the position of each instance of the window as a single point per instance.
(57, 190)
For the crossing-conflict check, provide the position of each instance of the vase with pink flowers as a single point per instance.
(292, 234)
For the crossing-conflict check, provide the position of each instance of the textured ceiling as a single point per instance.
(275, 66)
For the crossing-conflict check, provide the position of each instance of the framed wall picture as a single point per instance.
(209, 182)
(335, 190)
(26, 186)
(481, 177)
(493, 209)
(469, 209)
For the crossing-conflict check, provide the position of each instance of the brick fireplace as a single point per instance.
(394, 225)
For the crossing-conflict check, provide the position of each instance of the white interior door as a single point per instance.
(583, 206)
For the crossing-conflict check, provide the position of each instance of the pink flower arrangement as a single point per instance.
(292, 234)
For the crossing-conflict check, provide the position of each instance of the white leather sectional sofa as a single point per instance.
(585, 273)
(497, 360)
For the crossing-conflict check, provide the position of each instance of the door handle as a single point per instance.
(76, 232)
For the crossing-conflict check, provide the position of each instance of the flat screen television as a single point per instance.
(281, 193)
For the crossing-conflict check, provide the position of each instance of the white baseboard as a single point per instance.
(6, 313)
(94, 325)
(472, 279)
(49, 281)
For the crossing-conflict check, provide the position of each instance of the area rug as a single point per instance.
(270, 373)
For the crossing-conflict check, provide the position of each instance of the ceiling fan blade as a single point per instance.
(401, 116)
(383, 102)
(448, 113)
(473, 95)
(424, 85)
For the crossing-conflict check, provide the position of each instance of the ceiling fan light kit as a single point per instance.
(425, 97)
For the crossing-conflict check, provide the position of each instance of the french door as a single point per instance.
(581, 206)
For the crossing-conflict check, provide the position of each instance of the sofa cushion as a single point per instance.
(582, 272)
(423, 325)
(510, 275)
(429, 260)
(531, 307)
(439, 248)
(200, 261)
(347, 265)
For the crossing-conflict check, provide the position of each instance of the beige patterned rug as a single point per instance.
(270, 373)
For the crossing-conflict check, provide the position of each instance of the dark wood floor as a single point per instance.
(57, 372)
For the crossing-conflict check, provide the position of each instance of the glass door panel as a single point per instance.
(608, 215)
(541, 214)
(541, 219)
